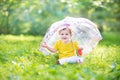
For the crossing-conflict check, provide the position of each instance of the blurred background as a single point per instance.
(23, 23)
(34, 17)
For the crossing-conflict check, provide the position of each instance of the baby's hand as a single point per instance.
(44, 44)
(80, 51)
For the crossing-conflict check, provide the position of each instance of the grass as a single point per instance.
(20, 60)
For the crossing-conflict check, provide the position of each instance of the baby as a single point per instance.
(65, 47)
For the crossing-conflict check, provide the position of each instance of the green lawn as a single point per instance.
(20, 60)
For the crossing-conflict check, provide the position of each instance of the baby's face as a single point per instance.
(65, 35)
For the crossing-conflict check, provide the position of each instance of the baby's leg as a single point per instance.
(68, 60)
(80, 59)
(72, 59)
(63, 61)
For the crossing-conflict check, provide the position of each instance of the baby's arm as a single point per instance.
(48, 47)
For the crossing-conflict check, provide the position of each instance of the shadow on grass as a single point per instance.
(110, 38)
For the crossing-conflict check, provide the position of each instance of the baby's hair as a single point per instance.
(70, 31)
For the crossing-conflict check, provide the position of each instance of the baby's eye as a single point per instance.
(66, 34)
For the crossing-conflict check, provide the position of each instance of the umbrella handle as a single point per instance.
(79, 51)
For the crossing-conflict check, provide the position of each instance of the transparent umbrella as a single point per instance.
(84, 31)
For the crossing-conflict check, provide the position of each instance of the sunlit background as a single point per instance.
(35, 16)
(23, 24)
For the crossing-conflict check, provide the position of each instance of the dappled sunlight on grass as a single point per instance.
(20, 60)
(19, 38)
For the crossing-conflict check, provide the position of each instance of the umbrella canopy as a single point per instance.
(84, 31)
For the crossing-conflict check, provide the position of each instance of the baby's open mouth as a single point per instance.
(64, 38)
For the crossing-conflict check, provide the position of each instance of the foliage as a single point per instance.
(20, 60)
(35, 16)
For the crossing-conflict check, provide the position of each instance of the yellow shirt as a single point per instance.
(66, 50)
